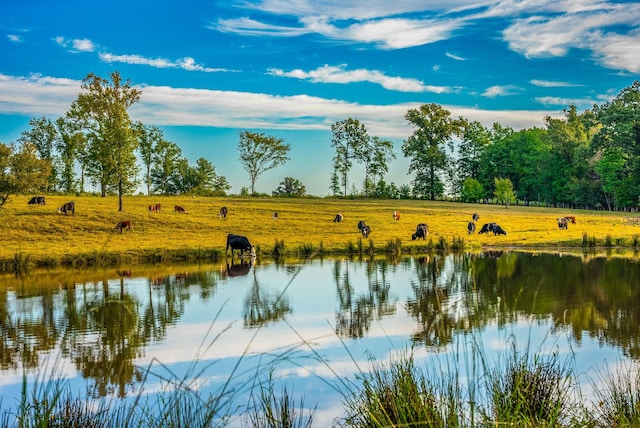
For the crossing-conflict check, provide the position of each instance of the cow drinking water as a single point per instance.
(68, 207)
(239, 242)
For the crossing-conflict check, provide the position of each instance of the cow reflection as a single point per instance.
(239, 269)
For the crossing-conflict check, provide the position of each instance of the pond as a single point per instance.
(310, 325)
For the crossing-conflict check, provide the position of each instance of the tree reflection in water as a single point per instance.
(103, 322)
(357, 311)
(262, 306)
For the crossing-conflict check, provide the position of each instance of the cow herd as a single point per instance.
(241, 243)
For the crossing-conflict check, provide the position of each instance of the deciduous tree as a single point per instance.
(291, 187)
(260, 153)
(21, 170)
(350, 140)
(427, 146)
(101, 109)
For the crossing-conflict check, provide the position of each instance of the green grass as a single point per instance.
(39, 236)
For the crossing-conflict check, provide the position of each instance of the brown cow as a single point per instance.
(396, 215)
(179, 209)
(123, 225)
(154, 208)
(571, 218)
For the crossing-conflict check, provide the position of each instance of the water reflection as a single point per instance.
(104, 322)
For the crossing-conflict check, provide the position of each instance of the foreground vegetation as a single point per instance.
(518, 390)
(40, 236)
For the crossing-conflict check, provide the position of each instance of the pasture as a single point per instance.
(45, 237)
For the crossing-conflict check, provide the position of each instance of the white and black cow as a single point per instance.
(563, 223)
(492, 227)
(364, 229)
(223, 212)
(239, 242)
(338, 218)
(475, 217)
(471, 227)
(422, 231)
(36, 200)
(68, 207)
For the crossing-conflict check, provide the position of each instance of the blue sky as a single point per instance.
(208, 70)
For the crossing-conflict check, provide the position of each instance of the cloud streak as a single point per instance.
(339, 74)
(165, 106)
(186, 63)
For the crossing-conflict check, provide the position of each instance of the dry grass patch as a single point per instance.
(40, 232)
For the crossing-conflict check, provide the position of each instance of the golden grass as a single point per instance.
(39, 233)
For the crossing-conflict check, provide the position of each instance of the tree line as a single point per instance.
(588, 159)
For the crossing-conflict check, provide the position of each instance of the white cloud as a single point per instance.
(83, 45)
(500, 91)
(389, 33)
(186, 63)
(163, 106)
(563, 102)
(551, 84)
(456, 57)
(14, 38)
(338, 74)
(75, 45)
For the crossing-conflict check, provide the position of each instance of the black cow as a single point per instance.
(422, 231)
(475, 217)
(36, 200)
(69, 206)
(238, 242)
(338, 218)
(471, 227)
(497, 230)
(223, 212)
(487, 227)
(563, 223)
(364, 229)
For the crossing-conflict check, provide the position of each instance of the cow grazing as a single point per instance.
(422, 231)
(475, 217)
(154, 208)
(338, 218)
(274, 216)
(123, 225)
(223, 212)
(68, 207)
(487, 227)
(571, 218)
(471, 227)
(179, 209)
(497, 230)
(563, 223)
(396, 215)
(364, 229)
(36, 200)
(238, 242)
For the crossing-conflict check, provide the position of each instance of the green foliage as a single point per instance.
(349, 139)
(472, 190)
(21, 171)
(504, 191)
(260, 153)
(290, 187)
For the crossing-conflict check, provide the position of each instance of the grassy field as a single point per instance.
(34, 234)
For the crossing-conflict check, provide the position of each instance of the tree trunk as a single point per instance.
(120, 196)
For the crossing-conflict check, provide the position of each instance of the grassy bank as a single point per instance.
(39, 236)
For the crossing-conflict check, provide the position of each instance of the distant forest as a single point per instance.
(588, 159)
